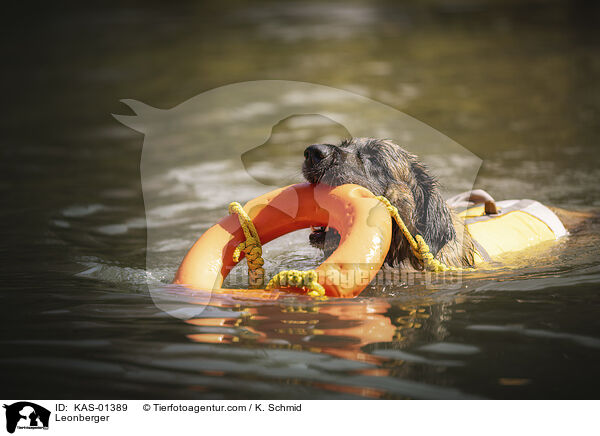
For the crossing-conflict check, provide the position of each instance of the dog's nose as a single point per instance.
(317, 152)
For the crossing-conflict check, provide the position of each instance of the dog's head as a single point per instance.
(386, 169)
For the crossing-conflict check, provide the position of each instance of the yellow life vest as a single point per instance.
(520, 224)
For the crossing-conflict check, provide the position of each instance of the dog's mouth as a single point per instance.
(325, 238)
(318, 236)
(314, 173)
(330, 173)
(319, 228)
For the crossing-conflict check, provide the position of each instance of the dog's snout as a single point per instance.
(317, 152)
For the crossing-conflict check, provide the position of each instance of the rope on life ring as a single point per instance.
(365, 229)
(308, 280)
(417, 244)
(256, 273)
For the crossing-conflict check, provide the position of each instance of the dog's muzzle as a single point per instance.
(316, 153)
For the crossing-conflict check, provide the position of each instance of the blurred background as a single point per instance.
(515, 82)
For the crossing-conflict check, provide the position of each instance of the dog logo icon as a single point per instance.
(26, 415)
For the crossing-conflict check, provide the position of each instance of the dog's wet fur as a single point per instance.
(387, 169)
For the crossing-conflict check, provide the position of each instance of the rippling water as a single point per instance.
(514, 84)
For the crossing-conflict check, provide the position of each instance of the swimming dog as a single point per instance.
(387, 169)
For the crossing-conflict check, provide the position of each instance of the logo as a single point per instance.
(26, 415)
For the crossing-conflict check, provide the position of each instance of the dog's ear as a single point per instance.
(433, 217)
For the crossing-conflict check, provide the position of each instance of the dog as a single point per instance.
(387, 169)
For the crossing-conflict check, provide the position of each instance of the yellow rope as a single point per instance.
(298, 279)
(417, 244)
(256, 273)
(251, 247)
(309, 279)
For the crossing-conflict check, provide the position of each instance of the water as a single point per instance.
(514, 83)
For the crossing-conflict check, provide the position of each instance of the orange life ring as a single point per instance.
(363, 223)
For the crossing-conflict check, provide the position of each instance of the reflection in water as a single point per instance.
(372, 332)
(338, 330)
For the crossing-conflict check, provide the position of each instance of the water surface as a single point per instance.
(515, 83)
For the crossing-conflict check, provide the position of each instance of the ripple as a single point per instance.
(586, 341)
(413, 358)
(450, 348)
(79, 211)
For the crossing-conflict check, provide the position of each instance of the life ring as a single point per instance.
(363, 223)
